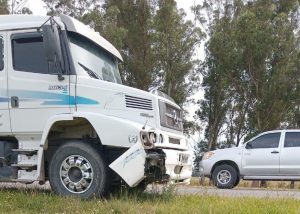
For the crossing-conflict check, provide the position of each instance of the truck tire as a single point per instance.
(225, 176)
(77, 169)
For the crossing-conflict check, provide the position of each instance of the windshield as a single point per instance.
(93, 60)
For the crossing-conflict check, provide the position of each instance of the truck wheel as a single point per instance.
(77, 169)
(224, 176)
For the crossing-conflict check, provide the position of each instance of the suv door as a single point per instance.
(4, 113)
(261, 156)
(35, 95)
(289, 155)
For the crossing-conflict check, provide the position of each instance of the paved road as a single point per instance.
(239, 192)
(193, 190)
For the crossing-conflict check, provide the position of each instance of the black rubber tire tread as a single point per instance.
(100, 181)
(233, 180)
(237, 182)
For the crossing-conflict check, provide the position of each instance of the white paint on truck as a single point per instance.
(60, 88)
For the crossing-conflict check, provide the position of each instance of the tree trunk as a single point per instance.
(292, 185)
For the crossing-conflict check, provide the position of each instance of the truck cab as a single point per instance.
(66, 117)
(271, 155)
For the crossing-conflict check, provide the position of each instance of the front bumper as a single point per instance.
(205, 167)
(155, 165)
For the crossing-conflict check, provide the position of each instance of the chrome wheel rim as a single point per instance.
(76, 174)
(224, 176)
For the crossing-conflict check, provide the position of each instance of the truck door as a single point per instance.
(35, 95)
(261, 156)
(289, 154)
(4, 113)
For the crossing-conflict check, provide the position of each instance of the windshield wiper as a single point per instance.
(90, 72)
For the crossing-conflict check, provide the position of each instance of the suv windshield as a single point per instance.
(93, 60)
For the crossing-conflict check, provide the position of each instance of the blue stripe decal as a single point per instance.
(3, 99)
(48, 98)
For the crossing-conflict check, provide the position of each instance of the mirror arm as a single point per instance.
(59, 70)
(51, 20)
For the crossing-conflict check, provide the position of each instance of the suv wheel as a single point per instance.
(225, 176)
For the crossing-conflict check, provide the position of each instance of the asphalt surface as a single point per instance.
(238, 192)
(190, 190)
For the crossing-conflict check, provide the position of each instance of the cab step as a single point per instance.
(24, 165)
(25, 176)
(25, 151)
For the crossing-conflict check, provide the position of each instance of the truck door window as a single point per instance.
(292, 139)
(266, 141)
(1, 54)
(29, 54)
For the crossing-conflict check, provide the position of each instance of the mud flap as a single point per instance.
(131, 165)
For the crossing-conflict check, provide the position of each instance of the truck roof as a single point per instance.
(15, 22)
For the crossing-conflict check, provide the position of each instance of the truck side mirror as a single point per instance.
(51, 40)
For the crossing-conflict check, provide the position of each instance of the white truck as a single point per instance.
(66, 118)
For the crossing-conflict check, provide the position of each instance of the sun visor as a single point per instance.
(76, 26)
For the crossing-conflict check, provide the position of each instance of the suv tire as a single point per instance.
(225, 176)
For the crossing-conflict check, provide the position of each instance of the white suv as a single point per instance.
(272, 155)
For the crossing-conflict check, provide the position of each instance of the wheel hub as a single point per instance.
(76, 174)
(224, 176)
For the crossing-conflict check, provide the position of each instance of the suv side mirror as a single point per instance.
(249, 145)
(51, 40)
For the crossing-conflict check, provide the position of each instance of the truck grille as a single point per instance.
(138, 103)
(174, 141)
(170, 116)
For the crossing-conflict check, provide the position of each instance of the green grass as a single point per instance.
(41, 201)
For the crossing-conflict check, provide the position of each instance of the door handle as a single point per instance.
(14, 102)
(274, 152)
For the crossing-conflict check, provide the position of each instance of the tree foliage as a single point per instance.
(14, 7)
(176, 40)
(74, 8)
(3, 7)
(18, 7)
(251, 72)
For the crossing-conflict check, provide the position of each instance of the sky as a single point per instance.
(37, 7)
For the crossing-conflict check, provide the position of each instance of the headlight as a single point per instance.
(207, 155)
(148, 139)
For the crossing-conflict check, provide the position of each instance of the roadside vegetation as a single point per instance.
(44, 201)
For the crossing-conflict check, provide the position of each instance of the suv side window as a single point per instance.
(1, 53)
(292, 139)
(28, 53)
(266, 141)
